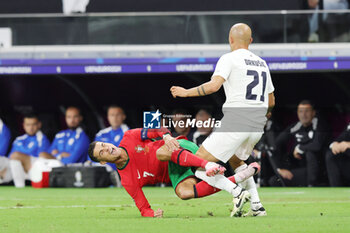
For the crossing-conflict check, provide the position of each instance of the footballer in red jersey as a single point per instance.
(141, 161)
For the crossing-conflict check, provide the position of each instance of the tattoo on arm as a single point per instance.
(203, 90)
(199, 93)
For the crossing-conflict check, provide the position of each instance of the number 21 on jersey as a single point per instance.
(249, 94)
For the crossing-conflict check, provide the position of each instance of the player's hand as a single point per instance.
(296, 154)
(65, 154)
(335, 148)
(286, 174)
(178, 91)
(54, 152)
(343, 146)
(171, 143)
(158, 213)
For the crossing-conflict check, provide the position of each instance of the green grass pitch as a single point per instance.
(112, 210)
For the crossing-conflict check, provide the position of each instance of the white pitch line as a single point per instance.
(67, 206)
(119, 206)
(287, 193)
(297, 202)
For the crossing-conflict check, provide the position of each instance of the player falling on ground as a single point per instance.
(141, 161)
(249, 96)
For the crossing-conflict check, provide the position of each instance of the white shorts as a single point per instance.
(223, 145)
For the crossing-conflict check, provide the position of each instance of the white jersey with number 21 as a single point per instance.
(248, 80)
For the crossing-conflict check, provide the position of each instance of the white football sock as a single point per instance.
(220, 182)
(18, 173)
(250, 185)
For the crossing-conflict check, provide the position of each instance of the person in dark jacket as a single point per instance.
(304, 167)
(338, 160)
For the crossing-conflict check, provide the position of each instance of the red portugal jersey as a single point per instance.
(143, 167)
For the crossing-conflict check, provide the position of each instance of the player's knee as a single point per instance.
(185, 194)
(163, 154)
(235, 162)
(15, 156)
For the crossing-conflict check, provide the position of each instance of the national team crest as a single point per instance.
(139, 149)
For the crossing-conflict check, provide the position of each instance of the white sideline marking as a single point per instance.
(296, 202)
(118, 206)
(66, 206)
(279, 193)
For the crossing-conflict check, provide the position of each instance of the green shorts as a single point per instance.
(178, 173)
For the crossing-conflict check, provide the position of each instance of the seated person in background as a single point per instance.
(26, 149)
(202, 132)
(338, 160)
(303, 168)
(5, 137)
(180, 128)
(115, 132)
(70, 145)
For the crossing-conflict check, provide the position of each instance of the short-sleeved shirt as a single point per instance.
(248, 80)
(31, 145)
(75, 142)
(247, 86)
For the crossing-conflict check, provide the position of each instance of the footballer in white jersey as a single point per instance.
(249, 97)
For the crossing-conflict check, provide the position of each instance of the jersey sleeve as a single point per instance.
(141, 134)
(223, 67)
(15, 147)
(53, 145)
(153, 133)
(140, 200)
(270, 87)
(131, 185)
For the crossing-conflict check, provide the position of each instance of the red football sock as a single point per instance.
(203, 189)
(187, 159)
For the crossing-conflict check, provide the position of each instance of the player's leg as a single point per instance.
(236, 162)
(20, 164)
(333, 171)
(184, 157)
(185, 189)
(5, 171)
(219, 146)
(313, 167)
(191, 188)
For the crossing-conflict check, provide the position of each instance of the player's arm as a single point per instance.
(154, 133)
(271, 104)
(164, 133)
(141, 202)
(207, 88)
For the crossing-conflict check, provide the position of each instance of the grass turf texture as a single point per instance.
(112, 210)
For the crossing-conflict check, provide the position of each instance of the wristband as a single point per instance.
(166, 134)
